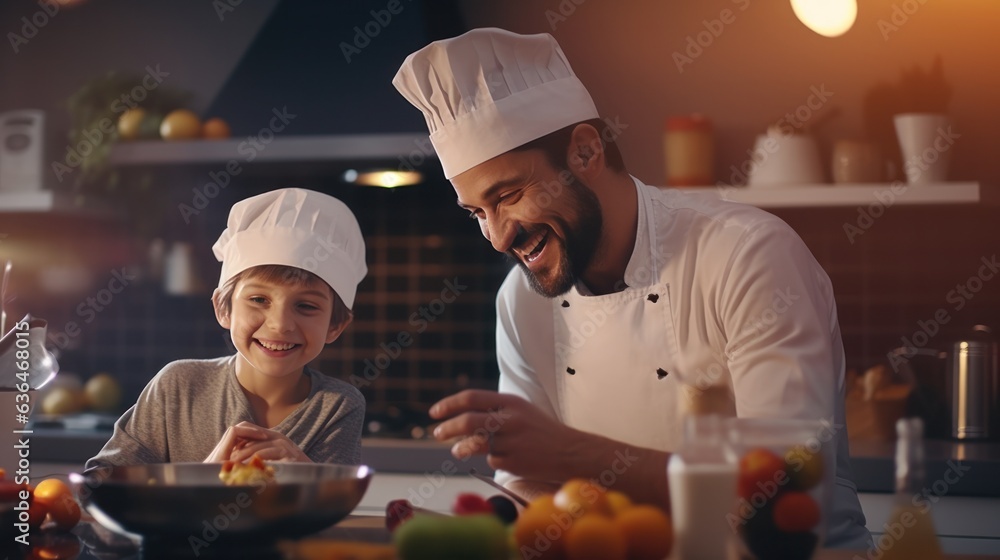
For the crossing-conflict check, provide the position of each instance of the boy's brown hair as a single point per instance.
(280, 274)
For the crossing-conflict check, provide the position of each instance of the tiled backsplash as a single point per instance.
(905, 266)
(424, 315)
(433, 278)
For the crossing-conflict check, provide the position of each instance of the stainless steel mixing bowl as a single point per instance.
(187, 501)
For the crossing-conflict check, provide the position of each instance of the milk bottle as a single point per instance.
(702, 481)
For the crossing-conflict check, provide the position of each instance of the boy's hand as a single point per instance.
(224, 448)
(270, 445)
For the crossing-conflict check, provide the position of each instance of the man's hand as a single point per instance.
(520, 438)
(242, 441)
(515, 435)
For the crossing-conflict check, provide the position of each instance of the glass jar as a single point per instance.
(688, 151)
(784, 486)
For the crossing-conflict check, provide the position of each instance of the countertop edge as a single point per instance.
(953, 468)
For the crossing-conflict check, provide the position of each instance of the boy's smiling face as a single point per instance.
(280, 327)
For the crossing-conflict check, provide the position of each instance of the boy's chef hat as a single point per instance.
(295, 227)
(489, 91)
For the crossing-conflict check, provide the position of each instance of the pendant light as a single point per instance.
(830, 18)
(383, 178)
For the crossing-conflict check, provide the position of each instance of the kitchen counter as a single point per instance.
(873, 462)
(381, 454)
(98, 543)
(953, 468)
(960, 480)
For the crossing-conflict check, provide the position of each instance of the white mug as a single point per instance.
(926, 142)
(785, 160)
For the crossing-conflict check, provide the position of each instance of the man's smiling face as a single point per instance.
(541, 217)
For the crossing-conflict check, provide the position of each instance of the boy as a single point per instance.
(291, 263)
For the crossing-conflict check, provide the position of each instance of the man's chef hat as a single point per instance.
(295, 227)
(489, 91)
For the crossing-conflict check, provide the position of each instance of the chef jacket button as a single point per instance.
(565, 303)
(661, 373)
(653, 297)
(571, 371)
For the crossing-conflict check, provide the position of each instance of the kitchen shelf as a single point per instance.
(280, 149)
(48, 201)
(829, 195)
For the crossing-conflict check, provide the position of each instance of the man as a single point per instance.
(626, 296)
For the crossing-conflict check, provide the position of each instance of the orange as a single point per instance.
(180, 124)
(215, 128)
(648, 532)
(579, 497)
(618, 502)
(796, 512)
(539, 530)
(51, 490)
(57, 500)
(595, 537)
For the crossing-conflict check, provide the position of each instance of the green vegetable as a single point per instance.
(466, 537)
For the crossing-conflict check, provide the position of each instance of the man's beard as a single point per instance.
(576, 250)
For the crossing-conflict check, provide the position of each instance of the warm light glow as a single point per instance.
(388, 179)
(830, 18)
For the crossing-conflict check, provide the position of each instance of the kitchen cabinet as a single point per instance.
(831, 195)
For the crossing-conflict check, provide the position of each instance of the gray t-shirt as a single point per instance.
(186, 408)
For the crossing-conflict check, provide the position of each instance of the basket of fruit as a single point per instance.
(784, 484)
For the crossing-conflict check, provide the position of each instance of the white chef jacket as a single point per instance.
(741, 300)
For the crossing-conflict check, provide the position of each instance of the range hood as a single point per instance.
(331, 64)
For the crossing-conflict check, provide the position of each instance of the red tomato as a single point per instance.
(468, 503)
(65, 512)
(36, 514)
(396, 513)
(796, 512)
(9, 491)
(761, 472)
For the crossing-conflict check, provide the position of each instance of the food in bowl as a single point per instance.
(188, 499)
(253, 472)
